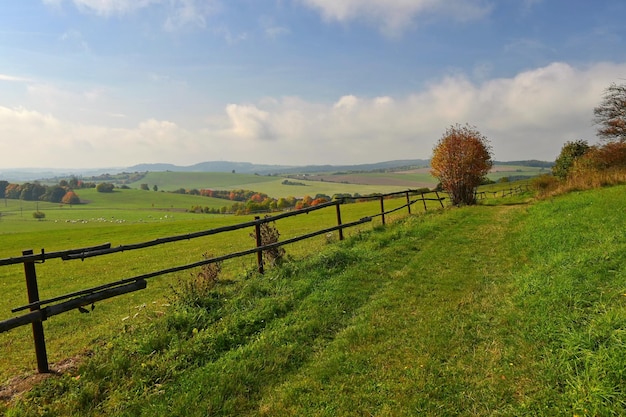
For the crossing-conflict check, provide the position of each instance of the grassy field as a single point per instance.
(328, 183)
(270, 185)
(119, 218)
(499, 309)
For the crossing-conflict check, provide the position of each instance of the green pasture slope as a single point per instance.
(511, 308)
(121, 218)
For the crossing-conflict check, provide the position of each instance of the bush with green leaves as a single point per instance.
(570, 152)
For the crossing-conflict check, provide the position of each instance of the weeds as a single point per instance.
(196, 291)
(269, 235)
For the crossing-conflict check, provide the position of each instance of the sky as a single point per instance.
(114, 83)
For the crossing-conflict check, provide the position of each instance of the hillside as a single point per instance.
(506, 309)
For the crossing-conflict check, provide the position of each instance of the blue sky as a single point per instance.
(113, 83)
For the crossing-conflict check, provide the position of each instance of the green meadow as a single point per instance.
(128, 216)
(333, 183)
(511, 307)
(270, 185)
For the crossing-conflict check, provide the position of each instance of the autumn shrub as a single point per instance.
(461, 160)
(196, 290)
(545, 184)
(600, 166)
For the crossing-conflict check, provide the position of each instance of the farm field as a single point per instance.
(270, 185)
(420, 177)
(328, 183)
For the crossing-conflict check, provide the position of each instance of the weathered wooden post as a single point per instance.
(424, 201)
(408, 201)
(382, 208)
(439, 198)
(259, 243)
(339, 221)
(33, 297)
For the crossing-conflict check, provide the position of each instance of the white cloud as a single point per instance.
(12, 78)
(112, 7)
(190, 13)
(248, 122)
(180, 13)
(393, 16)
(528, 116)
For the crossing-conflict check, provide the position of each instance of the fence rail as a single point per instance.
(41, 310)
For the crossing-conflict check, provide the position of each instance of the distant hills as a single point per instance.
(32, 174)
(249, 168)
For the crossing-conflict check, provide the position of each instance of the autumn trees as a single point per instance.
(38, 192)
(460, 161)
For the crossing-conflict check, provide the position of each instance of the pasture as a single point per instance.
(270, 185)
(506, 309)
(128, 216)
(319, 183)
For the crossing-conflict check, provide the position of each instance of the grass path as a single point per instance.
(431, 339)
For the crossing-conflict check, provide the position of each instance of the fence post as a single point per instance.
(339, 221)
(424, 202)
(33, 297)
(259, 243)
(408, 202)
(382, 209)
(439, 198)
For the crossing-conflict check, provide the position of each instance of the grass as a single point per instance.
(110, 218)
(270, 185)
(511, 309)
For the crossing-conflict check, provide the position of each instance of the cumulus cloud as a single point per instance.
(528, 116)
(393, 16)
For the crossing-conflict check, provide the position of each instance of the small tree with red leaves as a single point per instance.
(461, 159)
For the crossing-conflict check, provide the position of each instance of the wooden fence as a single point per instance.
(40, 310)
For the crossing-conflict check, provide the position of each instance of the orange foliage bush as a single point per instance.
(460, 161)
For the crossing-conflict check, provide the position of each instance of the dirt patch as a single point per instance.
(15, 387)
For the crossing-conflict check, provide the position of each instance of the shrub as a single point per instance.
(461, 159)
(105, 187)
(570, 152)
(545, 184)
(39, 215)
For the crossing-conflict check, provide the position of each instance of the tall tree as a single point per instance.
(461, 159)
(610, 115)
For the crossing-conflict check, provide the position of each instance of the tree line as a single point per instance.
(63, 192)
